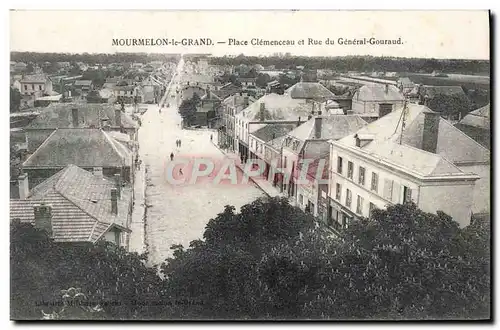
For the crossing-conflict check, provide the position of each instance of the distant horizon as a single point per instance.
(247, 55)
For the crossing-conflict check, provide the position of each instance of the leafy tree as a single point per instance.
(273, 261)
(187, 108)
(94, 97)
(98, 77)
(30, 68)
(262, 80)
(15, 99)
(41, 268)
(450, 105)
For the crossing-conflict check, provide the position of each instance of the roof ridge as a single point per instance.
(109, 138)
(42, 145)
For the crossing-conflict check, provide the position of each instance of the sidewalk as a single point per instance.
(264, 185)
(137, 238)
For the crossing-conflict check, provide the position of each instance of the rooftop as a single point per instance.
(453, 146)
(376, 92)
(478, 118)
(277, 107)
(81, 205)
(35, 78)
(60, 115)
(83, 147)
(309, 90)
(272, 131)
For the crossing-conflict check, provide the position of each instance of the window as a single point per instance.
(361, 178)
(406, 194)
(284, 162)
(40, 87)
(33, 86)
(350, 170)
(345, 221)
(329, 218)
(374, 182)
(301, 199)
(359, 205)
(388, 189)
(339, 165)
(372, 207)
(348, 198)
(338, 191)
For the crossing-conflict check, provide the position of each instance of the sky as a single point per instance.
(427, 34)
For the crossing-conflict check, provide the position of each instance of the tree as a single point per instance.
(98, 77)
(94, 97)
(40, 268)
(187, 108)
(273, 261)
(15, 100)
(450, 105)
(262, 80)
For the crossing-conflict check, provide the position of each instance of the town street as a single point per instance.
(178, 214)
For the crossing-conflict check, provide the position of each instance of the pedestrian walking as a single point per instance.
(211, 137)
(180, 171)
(180, 142)
(171, 156)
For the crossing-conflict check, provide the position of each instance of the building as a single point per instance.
(409, 155)
(309, 91)
(375, 100)
(126, 94)
(405, 85)
(231, 106)
(76, 115)
(269, 108)
(247, 82)
(310, 142)
(476, 124)
(91, 149)
(36, 85)
(258, 143)
(83, 86)
(76, 206)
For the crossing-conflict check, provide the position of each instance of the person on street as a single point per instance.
(171, 156)
(180, 142)
(211, 137)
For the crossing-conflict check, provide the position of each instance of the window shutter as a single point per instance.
(388, 189)
(396, 192)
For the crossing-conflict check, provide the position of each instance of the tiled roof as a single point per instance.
(478, 118)
(35, 78)
(81, 205)
(309, 90)
(332, 127)
(84, 147)
(453, 145)
(272, 131)
(378, 93)
(59, 115)
(277, 107)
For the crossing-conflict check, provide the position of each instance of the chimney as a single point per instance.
(118, 184)
(43, 217)
(313, 108)
(74, 115)
(262, 111)
(431, 131)
(246, 101)
(386, 88)
(298, 122)
(114, 201)
(118, 117)
(23, 185)
(318, 121)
